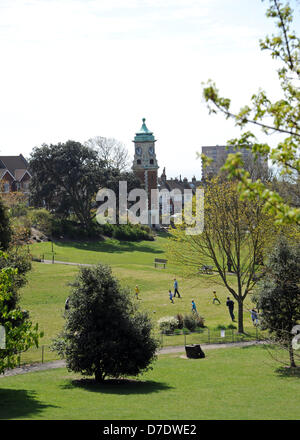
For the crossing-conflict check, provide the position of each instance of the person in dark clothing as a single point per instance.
(67, 303)
(67, 306)
(229, 264)
(176, 288)
(230, 305)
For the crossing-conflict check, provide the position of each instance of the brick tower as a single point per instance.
(144, 163)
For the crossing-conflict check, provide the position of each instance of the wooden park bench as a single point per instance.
(206, 269)
(160, 261)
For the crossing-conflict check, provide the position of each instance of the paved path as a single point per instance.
(68, 263)
(92, 265)
(166, 350)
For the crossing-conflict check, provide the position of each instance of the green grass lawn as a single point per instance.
(44, 295)
(236, 383)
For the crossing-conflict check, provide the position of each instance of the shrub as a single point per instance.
(185, 331)
(221, 327)
(192, 320)
(231, 327)
(189, 322)
(105, 334)
(41, 219)
(131, 232)
(179, 317)
(167, 324)
(198, 329)
(199, 320)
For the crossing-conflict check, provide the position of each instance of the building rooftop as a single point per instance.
(144, 134)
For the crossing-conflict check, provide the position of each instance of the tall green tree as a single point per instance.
(105, 334)
(20, 333)
(5, 229)
(66, 178)
(281, 117)
(278, 296)
(234, 231)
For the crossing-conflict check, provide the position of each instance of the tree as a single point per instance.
(235, 232)
(111, 151)
(5, 229)
(278, 296)
(104, 333)
(281, 117)
(66, 178)
(20, 334)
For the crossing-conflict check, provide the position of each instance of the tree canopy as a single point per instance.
(105, 334)
(278, 296)
(20, 334)
(111, 151)
(66, 178)
(281, 116)
(5, 229)
(236, 233)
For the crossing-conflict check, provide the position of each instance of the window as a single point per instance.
(6, 187)
(151, 162)
(139, 162)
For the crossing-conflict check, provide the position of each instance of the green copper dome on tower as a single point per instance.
(144, 135)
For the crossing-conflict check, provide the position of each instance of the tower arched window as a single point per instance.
(139, 162)
(151, 162)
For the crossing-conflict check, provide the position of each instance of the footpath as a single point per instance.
(165, 350)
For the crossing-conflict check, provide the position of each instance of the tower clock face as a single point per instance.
(138, 151)
(151, 151)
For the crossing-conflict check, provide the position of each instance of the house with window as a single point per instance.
(14, 174)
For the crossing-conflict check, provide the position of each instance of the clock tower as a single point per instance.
(144, 163)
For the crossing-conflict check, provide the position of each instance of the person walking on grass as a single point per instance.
(215, 298)
(137, 291)
(230, 305)
(176, 288)
(171, 296)
(67, 306)
(194, 308)
(254, 316)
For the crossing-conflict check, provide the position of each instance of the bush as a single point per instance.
(179, 317)
(5, 229)
(185, 331)
(167, 324)
(192, 320)
(42, 220)
(198, 329)
(131, 233)
(220, 327)
(189, 322)
(231, 327)
(199, 320)
(105, 334)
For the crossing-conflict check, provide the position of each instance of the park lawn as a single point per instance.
(113, 252)
(236, 383)
(48, 286)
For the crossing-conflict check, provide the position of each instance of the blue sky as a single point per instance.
(74, 69)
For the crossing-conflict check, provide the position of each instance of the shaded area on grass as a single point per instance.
(288, 371)
(118, 386)
(20, 403)
(110, 246)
